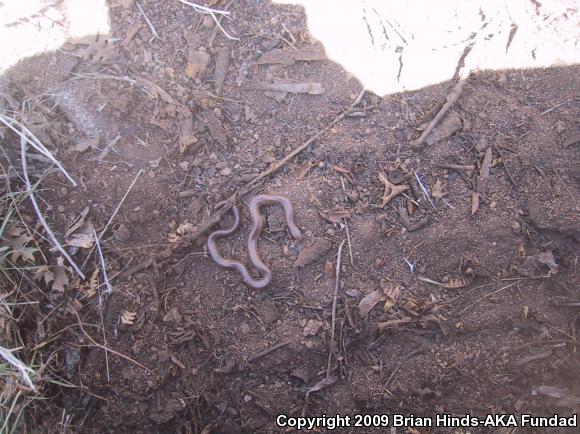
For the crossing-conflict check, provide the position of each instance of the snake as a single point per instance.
(257, 225)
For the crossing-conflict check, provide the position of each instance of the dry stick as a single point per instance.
(28, 136)
(103, 347)
(213, 13)
(277, 165)
(399, 365)
(120, 204)
(483, 298)
(105, 342)
(216, 217)
(270, 350)
(49, 232)
(109, 289)
(149, 23)
(334, 300)
(451, 99)
(112, 217)
(505, 166)
(348, 241)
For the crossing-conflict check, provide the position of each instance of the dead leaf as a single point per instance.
(438, 192)
(15, 240)
(335, 216)
(310, 254)
(322, 384)
(97, 50)
(369, 301)
(44, 273)
(128, 317)
(184, 228)
(60, 276)
(391, 293)
(173, 315)
(312, 327)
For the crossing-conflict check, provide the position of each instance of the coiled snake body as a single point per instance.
(257, 224)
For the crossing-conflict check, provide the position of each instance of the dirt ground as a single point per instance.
(472, 310)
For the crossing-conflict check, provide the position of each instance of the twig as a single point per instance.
(270, 350)
(103, 347)
(26, 135)
(334, 300)
(458, 166)
(213, 13)
(120, 204)
(505, 166)
(348, 241)
(278, 164)
(215, 29)
(112, 217)
(483, 298)
(109, 289)
(424, 189)
(451, 99)
(149, 23)
(400, 364)
(41, 218)
(105, 342)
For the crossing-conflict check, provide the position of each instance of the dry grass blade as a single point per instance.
(22, 368)
(27, 136)
(213, 13)
(41, 218)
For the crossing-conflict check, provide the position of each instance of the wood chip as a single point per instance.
(222, 63)
(290, 87)
(289, 57)
(186, 136)
(215, 127)
(448, 126)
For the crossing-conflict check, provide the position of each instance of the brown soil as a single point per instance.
(469, 350)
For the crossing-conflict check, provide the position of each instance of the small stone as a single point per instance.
(61, 209)
(184, 165)
(493, 204)
(560, 127)
(247, 398)
(226, 172)
(516, 227)
(379, 262)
